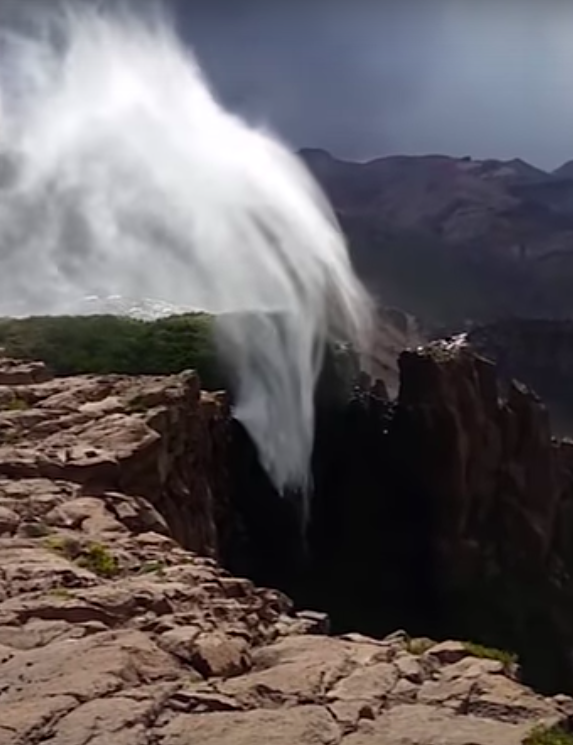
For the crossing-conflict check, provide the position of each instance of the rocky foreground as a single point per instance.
(118, 625)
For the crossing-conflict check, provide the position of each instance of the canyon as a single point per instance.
(139, 533)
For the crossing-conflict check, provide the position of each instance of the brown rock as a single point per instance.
(88, 431)
(418, 724)
(303, 725)
(410, 668)
(219, 655)
(9, 520)
(370, 684)
(180, 641)
(112, 630)
(447, 653)
(17, 372)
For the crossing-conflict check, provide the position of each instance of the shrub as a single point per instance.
(419, 645)
(78, 345)
(64, 545)
(75, 345)
(16, 404)
(99, 560)
(549, 736)
(61, 592)
(490, 653)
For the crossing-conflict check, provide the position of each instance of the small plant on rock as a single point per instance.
(419, 646)
(61, 592)
(17, 404)
(99, 560)
(65, 545)
(508, 659)
(549, 736)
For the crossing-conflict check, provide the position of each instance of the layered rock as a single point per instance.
(500, 493)
(449, 513)
(161, 439)
(113, 627)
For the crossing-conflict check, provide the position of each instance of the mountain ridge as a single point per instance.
(452, 239)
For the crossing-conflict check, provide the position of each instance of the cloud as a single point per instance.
(370, 78)
(367, 78)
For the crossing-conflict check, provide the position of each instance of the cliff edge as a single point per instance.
(118, 624)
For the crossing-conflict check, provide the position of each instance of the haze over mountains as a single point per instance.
(455, 239)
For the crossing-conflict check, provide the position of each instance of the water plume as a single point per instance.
(122, 174)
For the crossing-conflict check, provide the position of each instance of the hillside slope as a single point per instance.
(452, 239)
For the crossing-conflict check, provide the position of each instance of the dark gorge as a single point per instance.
(446, 513)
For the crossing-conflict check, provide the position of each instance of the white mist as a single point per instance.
(121, 174)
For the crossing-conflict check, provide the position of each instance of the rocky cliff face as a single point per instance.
(540, 353)
(118, 624)
(448, 513)
(160, 439)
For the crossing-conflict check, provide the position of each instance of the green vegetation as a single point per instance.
(420, 645)
(549, 736)
(65, 545)
(16, 404)
(73, 345)
(61, 592)
(77, 345)
(490, 653)
(99, 560)
(95, 557)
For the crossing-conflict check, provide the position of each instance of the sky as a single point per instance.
(368, 78)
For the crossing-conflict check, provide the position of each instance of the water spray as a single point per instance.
(122, 174)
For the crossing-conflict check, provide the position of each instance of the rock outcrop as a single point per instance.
(161, 439)
(117, 624)
(500, 491)
(538, 352)
(448, 513)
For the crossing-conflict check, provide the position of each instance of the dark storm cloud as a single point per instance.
(488, 78)
(366, 77)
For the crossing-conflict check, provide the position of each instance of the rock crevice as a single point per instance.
(118, 622)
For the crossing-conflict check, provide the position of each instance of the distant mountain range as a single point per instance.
(457, 240)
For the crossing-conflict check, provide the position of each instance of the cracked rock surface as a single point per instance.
(118, 626)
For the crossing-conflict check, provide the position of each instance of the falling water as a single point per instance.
(121, 174)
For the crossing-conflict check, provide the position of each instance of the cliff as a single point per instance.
(451, 239)
(540, 353)
(118, 505)
(448, 513)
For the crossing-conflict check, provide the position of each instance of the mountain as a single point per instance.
(456, 239)
(564, 171)
(538, 352)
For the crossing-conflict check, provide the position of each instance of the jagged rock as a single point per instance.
(17, 372)
(450, 513)
(113, 630)
(447, 652)
(9, 520)
(220, 655)
(499, 490)
(125, 439)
